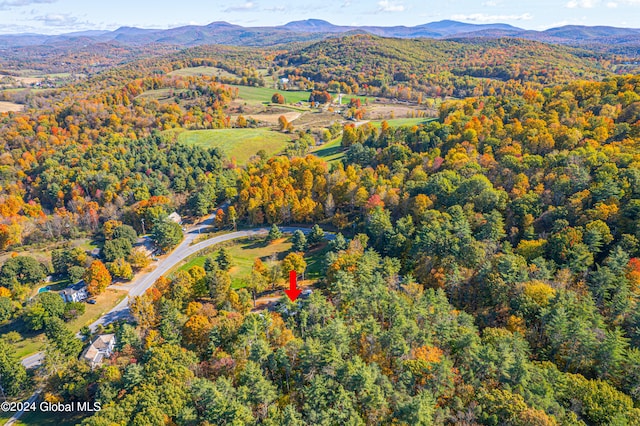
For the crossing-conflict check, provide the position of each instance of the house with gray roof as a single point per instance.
(102, 347)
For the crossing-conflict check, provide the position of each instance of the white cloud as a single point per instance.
(584, 4)
(612, 5)
(390, 6)
(58, 20)
(242, 8)
(483, 17)
(9, 4)
(275, 9)
(491, 3)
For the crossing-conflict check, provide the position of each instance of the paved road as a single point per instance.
(33, 360)
(181, 252)
(19, 414)
(184, 250)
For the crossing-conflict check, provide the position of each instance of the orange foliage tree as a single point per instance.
(97, 277)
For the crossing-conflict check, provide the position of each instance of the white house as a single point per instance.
(176, 218)
(75, 293)
(99, 349)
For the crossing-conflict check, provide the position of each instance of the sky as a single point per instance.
(60, 16)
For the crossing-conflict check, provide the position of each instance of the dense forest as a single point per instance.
(466, 67)
(485, 267)
(493, 281)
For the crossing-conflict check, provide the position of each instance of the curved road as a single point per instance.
(181, 252)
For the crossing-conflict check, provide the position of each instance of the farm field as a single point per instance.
(264, 94)
(271, 118)
(10, 107)
(397, 122)
(240, 144)
(390, 110)
(209, 71)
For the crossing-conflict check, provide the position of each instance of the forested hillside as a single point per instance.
(438, 68)
(494, 280)
(484, 266)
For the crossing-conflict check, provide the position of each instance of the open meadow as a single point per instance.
(238, 144)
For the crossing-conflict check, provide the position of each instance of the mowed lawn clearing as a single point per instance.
(104, 303)
(264, 94)
(398, 122)
(330, 152)
(209, 71)
(245, 251)
(240, 144)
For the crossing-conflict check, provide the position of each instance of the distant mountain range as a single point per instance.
(315, 29)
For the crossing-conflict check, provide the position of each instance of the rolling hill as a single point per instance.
(380, 61)
(315, 29)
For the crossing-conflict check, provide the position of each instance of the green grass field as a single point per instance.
(161, 94)
(330, 152)
(397, 122)
(56, 75)
(240, 144)
(264, 94)
(363, 99)
(210, 71)
(245, 251)
(105, 302)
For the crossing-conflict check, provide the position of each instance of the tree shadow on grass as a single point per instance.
(255, 244)
(327, 152)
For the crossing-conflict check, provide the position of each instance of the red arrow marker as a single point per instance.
(293, 292)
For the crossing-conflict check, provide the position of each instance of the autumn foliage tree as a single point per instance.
(320, 96)
(97, 278)
(293, 262)
(283, 123)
